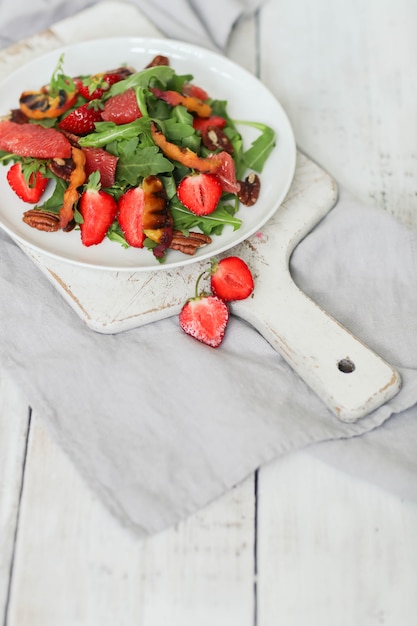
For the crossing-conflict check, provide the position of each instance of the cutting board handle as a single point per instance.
(346, 374)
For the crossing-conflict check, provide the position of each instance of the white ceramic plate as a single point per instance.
(247, 97)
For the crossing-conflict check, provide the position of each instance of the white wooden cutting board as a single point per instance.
(345, 374)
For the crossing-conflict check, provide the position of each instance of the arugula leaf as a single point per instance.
(115, 233)
(59, 80)
(160, 73)
(136, 162)
(256, 156)
(212, 224)
(106, 132)
(54, 203)
(177, 81)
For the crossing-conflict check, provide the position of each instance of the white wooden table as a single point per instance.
(299, 542)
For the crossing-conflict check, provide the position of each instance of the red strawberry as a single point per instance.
(200, 193)
(82, 120)
(98, 209)
(93, 87)
(130, 217)
(31, 192)
(205, 318)
(231, 279)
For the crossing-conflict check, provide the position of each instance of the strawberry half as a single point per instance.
(31, 192)
(130, 216)
(98, 209)
(205, 318)
(93, 87)
(81, 120)
(231, 279)
(200, 193)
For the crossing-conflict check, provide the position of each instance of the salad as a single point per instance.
(145, 158)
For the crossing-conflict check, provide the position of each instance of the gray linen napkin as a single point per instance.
(159, 424)
(196, 21)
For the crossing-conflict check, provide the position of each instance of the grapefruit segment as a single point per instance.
(32, 140)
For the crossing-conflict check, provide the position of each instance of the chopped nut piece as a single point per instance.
(213, 138)
(188, 244)
(158, 60)
(249, 189)
(62, 168)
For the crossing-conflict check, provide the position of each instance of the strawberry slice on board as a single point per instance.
(200, 193)
(81, 120)
(131, 206)
(231, 279)
(29, 191)
(205, 317)
(98, 209)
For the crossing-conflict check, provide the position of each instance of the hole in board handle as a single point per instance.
(346, 366)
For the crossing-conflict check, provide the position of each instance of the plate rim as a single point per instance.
(175, 44)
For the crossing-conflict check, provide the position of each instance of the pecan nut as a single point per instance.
(213, 138)
(42, 220)
(159, 59)
(62, 168)
(249, 189)
(188, 244)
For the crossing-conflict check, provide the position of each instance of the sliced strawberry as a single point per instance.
(98, 209)
(98, 159)
(205, 318)
(231, 279)
(82, 120)
(31, 192)
(122, 108)
(226, 173)
(202, 124)
(93, 87)
(130, 216)
(200, 193)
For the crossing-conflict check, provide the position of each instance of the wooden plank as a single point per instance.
(14, 420)
(75, 564)
(344, 77)
(333, 550)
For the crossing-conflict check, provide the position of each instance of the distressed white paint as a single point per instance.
(342, 553)
(305, 335)
(14, 417)
(75, 565)
(343, 71)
